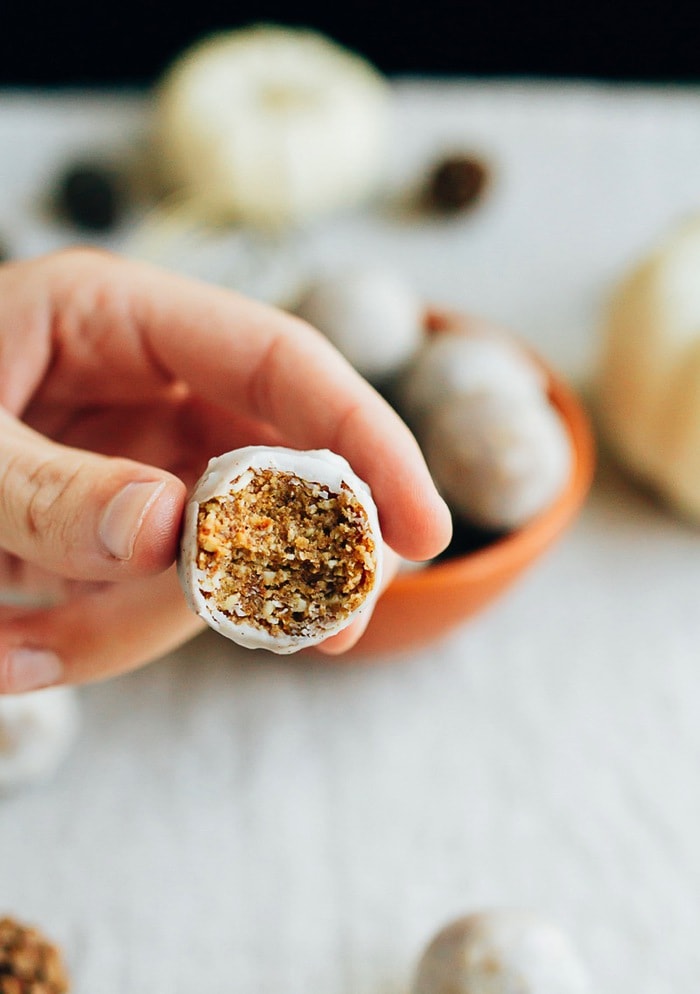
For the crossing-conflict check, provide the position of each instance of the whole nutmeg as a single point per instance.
(456, 183)
(90, 196)
(501, 952)
(29, 962)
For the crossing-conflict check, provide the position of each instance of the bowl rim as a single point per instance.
(522, 544)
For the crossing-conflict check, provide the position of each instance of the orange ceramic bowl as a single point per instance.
(422, 605)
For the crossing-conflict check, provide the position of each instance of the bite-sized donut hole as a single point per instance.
(372, 316)
(498, 461)
(496, 447)
(284, 555)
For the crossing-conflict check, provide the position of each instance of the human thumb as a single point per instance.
(83, 515)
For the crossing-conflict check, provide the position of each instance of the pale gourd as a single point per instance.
(648, 391)
(271, 126)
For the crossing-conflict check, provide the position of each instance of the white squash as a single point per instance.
(271, 126)
(648, 392)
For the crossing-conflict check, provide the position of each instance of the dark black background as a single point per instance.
(64, 43)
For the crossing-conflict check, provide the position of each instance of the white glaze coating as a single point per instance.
(36, 732)
(373, 317)
(455, 363)
(649, 377)
(497, 459)
(501, 952)
(231, 471)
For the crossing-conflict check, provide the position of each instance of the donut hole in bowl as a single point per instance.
(424, 604)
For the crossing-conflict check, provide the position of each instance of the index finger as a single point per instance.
(147, 326)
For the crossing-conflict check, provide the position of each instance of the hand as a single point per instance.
(118, 382)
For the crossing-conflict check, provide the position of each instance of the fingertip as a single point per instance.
(425, 527)
(105, 631)
(158, 539)
(140, 525)
(338, 644)
(26, 668)
(441, 534)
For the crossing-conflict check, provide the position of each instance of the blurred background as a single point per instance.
(130, 43)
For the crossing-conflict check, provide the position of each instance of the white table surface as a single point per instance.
(232, 822)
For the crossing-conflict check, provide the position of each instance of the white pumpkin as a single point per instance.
(271, 126)
(648, 394)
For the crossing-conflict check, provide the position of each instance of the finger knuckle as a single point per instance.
(10, 479)
(49, 509)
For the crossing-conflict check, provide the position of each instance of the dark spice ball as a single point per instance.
(90, 197)
(456, 183)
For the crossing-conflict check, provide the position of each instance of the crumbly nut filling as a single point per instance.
(283, 554)
(29, 963)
